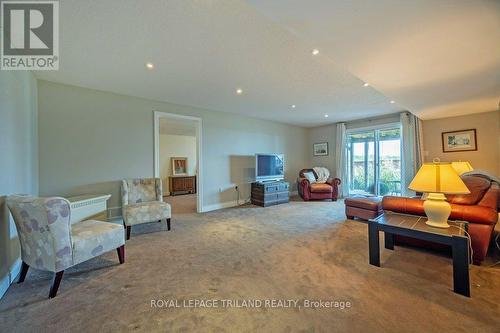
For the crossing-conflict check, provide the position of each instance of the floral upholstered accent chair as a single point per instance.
(142, 202)
(51, 243)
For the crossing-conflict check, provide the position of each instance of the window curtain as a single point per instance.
(412, 150)
(341, 159)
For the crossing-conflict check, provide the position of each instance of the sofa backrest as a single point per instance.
(141, 190)
(43, 226)
(478, 186)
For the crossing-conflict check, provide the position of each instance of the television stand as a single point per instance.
(270, 193)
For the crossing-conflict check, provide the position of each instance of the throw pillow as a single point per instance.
(310, 177)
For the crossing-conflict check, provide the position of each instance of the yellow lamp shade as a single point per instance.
(461, 167)
(438, 178)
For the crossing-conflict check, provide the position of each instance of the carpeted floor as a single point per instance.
(182, 204)
(296, 251)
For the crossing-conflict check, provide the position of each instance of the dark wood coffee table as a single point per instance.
(414, 226)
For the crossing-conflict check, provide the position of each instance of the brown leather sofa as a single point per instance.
(308, 191)
(479, 208)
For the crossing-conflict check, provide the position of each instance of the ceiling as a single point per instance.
(434, 58)
(178, 127)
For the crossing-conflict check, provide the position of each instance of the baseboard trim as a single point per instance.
(8, 279)
(222, 205)
(229, 204)
(15, 269)
(4, 285)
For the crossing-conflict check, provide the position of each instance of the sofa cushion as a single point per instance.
(368, 203)
(477, 187)
(321, 188)
(146, 212)
(92, 238)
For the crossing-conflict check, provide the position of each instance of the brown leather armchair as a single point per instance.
(479, 208)
(317, 191)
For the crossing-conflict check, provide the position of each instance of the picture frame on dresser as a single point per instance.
(457, 141)
(179, 166)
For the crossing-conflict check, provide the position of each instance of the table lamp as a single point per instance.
(461, 167)
(437, 179)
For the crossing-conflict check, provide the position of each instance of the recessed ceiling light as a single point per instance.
(326, 116)
(294, 106)
(239, 91)
(366, 84)
(150, 65)
(392, 102)
(315, 52)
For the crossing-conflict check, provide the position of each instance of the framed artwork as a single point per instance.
(320, 149)
(464, 140)
(179, 166)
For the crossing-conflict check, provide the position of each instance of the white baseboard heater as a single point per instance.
(85, 206)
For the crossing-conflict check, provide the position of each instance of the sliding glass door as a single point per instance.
(389, 161)
(374, 161)
(361, 162)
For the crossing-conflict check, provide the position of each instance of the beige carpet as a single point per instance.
(295, 251)
(182, 204)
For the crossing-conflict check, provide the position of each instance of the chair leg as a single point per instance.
(121, 254)
(55, 284)
(128, 231)
(24, 272)
(168, 224)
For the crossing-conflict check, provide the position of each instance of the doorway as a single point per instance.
(374, 161)
(177, 160)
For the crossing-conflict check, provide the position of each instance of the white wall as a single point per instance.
(90, 140)
(176, 146)
(18, 160)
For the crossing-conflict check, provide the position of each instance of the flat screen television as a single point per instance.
(269, 167)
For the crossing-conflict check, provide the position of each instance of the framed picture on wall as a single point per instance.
(320, 149)
(464, 140)
(179, 166)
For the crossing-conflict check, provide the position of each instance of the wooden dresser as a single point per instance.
(181, 184)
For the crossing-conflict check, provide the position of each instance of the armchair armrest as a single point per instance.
(124, 192)
(59, 227)
(303, 188)
(300, 180)
(333, 181)
(158, 189)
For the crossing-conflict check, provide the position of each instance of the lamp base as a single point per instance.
(437, 210)
(437, 224)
